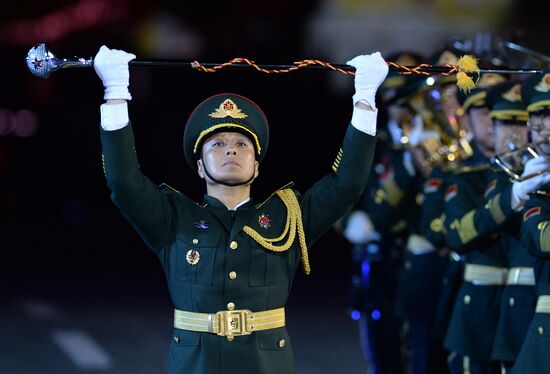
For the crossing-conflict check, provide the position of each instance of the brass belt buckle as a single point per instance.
(233, 322)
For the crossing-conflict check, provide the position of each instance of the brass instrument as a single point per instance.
(513, 161)
(445, 142)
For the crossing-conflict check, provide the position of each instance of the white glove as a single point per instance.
(360, 229)
(520, 190)
(111, 65)
(370, 72)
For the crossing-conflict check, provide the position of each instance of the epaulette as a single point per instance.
(471, 168)
(540, 193)
(288, 185)
(164, 186)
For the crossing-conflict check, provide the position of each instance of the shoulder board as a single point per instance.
(471, 169)
(288, 185)
(540, 193)
(164, 187)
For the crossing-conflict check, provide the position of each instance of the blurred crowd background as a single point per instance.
(61, 238)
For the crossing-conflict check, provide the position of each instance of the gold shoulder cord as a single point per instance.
(293, 223)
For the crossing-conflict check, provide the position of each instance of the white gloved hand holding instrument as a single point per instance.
(111, 65)
(520, 190)
(370, 72)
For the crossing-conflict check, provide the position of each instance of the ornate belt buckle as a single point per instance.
(234, 322)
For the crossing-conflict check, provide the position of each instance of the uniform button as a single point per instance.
(408, 265)
(511, 301)
(230, 306)
(541, 330)
(467, 299)
(233, 275)
(233, 245)
(230, 338)
(176, 339)
(195, 241)
(282, 343)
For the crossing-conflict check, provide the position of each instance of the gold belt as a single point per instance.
(543, 304)
(485, 275)
(497, 276)
(229, 322)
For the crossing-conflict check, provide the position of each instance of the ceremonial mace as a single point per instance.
(42, 62)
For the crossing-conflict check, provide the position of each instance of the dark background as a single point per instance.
(63, 241)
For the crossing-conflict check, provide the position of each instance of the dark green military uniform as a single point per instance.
(534, 356)
(432, 218)
(213, 265)
(518, 298)
(471, 224)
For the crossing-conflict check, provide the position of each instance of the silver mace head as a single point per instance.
(42, 62)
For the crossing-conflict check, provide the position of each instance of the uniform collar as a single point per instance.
(212, 202)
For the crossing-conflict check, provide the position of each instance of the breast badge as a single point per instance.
(193, 257)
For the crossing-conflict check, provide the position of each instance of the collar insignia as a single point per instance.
(264, 221)
(228, 109)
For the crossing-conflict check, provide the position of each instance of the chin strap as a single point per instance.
(228, 184)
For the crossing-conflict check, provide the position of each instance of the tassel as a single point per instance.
(464, 82)
(468, 64)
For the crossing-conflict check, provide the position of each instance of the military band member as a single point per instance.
(475, 312)
(534, 357)
(229, 262)
(517, 303)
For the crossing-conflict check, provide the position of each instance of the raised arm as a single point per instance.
(337, 192)
(139, 199)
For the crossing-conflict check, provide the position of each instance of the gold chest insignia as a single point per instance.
(193, 257)
(228, 109)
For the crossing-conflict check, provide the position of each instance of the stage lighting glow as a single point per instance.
(26, 123)
(7, 122)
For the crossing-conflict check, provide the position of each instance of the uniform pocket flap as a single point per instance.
(186, 338)
(273, 339)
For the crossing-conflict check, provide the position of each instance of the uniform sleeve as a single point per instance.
(469, 220)
(139, 199)
(392, 194)
(535, 228)
(332, 196)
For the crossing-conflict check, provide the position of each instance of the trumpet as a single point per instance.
(512, 162)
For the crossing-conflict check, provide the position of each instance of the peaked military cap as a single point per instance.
(505, 102)
(225, 112)
(536, 93)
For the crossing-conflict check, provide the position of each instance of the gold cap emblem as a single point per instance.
(447, 57)
(228, 109)
(489, 79)
(544, 84)
(193, 257)
(514, 94)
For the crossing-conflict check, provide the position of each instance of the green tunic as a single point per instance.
(171, 225)
(534, 356)
(471, 231)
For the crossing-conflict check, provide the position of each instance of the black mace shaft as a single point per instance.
(42, 62)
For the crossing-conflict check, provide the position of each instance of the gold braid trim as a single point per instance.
(293, 223)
